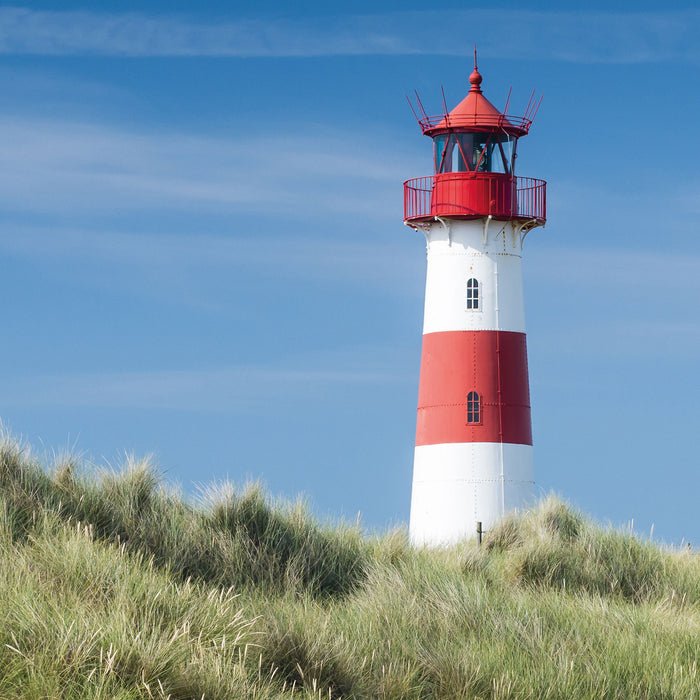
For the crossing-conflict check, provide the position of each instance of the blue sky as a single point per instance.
(202, 254)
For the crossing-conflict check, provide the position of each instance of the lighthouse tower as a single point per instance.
(473, 456)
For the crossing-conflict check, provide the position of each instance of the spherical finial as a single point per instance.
(475, 79)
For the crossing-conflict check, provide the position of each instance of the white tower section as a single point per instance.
(459, 483)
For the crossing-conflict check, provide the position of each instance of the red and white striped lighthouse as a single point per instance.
(473, 456)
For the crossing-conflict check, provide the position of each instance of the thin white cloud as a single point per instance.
(68, 173)
(675, 341)
(221, 389)
(674, 275)
(588, 37)
(614, 304)
(174, 259)
(66, 167)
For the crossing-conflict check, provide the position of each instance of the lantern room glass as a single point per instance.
(474, 152)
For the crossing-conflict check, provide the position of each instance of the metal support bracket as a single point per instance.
(423, 228)
(487, 221)
(525, 228)
(447, 228)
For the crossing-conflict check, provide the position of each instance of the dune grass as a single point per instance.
(111, 586)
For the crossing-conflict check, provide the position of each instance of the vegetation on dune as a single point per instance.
(113, 587)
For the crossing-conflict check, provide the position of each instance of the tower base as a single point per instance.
(457, 485)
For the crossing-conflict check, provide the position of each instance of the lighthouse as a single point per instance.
(473, 455)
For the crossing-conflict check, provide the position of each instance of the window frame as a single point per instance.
(471, 298)
(474, 408)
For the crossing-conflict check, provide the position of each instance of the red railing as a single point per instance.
(518, 125)
(471, 195)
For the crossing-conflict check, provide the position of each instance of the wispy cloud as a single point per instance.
(652, 272)
(615, 304)
(76, 195)
(174, 259)
(222, 389)
(567, 36)
(59, 166)
(673, 341)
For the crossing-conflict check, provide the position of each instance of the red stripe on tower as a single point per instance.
(490, 364)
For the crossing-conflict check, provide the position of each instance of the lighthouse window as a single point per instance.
(449, 154)
(473, 407)
(455, 153)
(482, 152)
(493, 153)
(472, 294)
(439, 143)
(507, 154)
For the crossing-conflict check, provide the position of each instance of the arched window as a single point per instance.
(472, 294)
(473, 407)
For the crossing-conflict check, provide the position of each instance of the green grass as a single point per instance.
(111, 586)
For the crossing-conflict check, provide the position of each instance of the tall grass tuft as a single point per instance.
(553, 546)
(112, 586)
(279, 545)
(238, 539)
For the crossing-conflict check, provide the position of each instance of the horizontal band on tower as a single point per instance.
(492, 366)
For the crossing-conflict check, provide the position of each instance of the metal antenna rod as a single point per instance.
(536, 108)
(410, 104)
(420, 105)
(505, 111)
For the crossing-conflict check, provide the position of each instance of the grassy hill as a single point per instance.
(113, 587)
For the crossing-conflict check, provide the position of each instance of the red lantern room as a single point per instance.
(474, 153)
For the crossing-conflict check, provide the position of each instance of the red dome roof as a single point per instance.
(475, 113)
